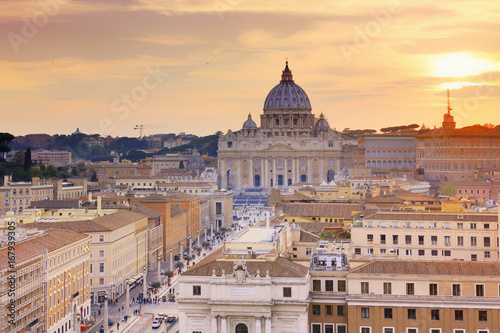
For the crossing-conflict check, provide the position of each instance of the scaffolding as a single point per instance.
(29, 293)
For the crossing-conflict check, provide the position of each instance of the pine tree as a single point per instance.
(27, 160)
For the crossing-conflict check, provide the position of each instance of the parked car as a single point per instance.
(170, 319)
(155, 324)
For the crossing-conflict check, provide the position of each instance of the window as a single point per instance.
(421, 253)
(369, 238)
(486, 226)
(382, 239)
(483, 315)
(408, 252)
(410, 289)
(357, 250)
(316, 328)
(408, 239)
(487, 254)
(411, 330)
(456, 289)
(316, 309)
(101, 253)
(434, 240)
(394, 239)
(316, 285)
(473, 241)
(329, 310)
(341, 285)
(101, 281)
(447, 240)
(460, 240)
(458, 330)
(420, 240)
(433, 289)
(196, 290)
(329, 285)
(101, 267)
(340, 310)
(387, 288)
(388, 330)
(459, 315)
(365, 287)
(435, 330)
(365, 329)
(365, 312)
(388, 313)
(287, 291)
(101, 238)
(329, 328)
(473, 226)
(486, 242)
(473, 257)
(341, 328)
(434, 253)
(479, 290)
(434, 314)
(447, 253)
(460, 225)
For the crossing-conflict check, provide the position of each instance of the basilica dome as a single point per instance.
(249, 123)
(322, 124)
(287, 95)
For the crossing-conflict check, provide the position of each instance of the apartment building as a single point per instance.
(427, 236)
(155, 233)
(17, 196)
(23, 288)
(68, 287)
(118, 249)
(51, 157)
(424, 297)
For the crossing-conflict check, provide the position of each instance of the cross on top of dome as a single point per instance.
(287, 74)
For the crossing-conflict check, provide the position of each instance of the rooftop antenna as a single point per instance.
(449, 107)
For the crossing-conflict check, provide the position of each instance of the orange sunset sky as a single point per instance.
(201, 66)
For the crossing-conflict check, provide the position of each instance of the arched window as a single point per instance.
(241, 328)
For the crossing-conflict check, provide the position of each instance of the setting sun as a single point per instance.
(459, 64)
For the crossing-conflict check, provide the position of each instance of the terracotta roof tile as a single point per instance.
(401, 267)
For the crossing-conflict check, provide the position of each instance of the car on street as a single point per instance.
(155, 324)
(177, 257)
(101, 329)
(170, 319)
(110, 322)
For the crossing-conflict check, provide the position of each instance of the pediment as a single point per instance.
(279, 147)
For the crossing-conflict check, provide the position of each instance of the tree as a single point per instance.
(449, 189)
(181, 165)
(179, 264)
(74, 172)
(5, 139)
(27, 159)
(169, 274)
(94, 177)
(156, 284)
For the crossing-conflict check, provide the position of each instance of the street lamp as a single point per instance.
(106, 318)
(144, 293)
(159, 264)
(190, 245)
(171, 260)
(127, 298)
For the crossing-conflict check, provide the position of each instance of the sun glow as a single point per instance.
(458, 85)
(459, 64)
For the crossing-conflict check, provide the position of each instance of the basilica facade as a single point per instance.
(291, 145)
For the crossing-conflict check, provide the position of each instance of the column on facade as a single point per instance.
(294, 169)
(214, 325)
(258, 325)
(251, 183)
(322, 169)
(263, 168)
(309, 169)
(275, 177)
(223, 324)
(267, 325)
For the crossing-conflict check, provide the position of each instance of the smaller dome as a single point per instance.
(249, 123)
(321, 124)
